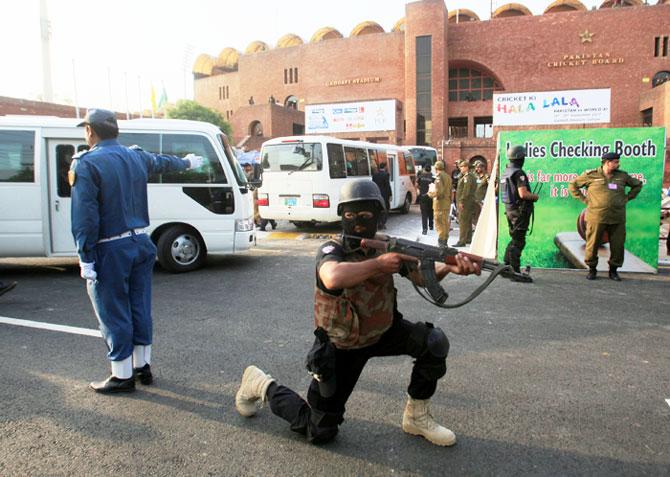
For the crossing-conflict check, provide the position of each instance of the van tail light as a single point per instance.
(263, 200)
(320, 201)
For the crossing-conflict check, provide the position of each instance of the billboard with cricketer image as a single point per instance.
(554, 158)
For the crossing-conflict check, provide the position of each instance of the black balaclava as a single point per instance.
(367, 228)
(518, 162)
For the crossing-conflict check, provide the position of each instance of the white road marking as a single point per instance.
(50, 326)
(668, 401)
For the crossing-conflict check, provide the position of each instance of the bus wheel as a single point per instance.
(406, 205)
(181, 250)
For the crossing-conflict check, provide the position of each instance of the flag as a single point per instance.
(163, 101)
(485, 238)
(153, 100)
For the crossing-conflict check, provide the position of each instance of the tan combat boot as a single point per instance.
(253, 387)
(418, 421)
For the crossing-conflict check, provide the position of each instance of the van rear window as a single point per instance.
(17, 156)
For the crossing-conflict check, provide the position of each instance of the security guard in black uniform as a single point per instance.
(519, 204)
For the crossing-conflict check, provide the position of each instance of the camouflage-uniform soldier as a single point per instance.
(606, 210)
(356, 318)
(441, 204)
(465, 202)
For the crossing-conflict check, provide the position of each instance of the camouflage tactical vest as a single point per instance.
(360, 315)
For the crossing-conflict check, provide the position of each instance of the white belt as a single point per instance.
(123, 235)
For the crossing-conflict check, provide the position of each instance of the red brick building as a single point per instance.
(442, 68)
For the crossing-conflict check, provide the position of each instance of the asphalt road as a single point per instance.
(559, 377)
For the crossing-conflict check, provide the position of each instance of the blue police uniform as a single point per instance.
(109, 213)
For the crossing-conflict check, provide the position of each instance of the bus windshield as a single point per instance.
(292, 157)
(240, 177)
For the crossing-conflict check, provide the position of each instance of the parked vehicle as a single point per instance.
(192, 213)
(423, 155)
(303, 175)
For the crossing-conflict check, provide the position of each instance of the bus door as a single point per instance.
(59, 158)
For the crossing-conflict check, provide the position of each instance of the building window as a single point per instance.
(660, 78)
(290, 75)
(647, 117)
(458, 127)
(424, 96)
(467, 84)
(224, 92)
(484, 126)
(661, 46)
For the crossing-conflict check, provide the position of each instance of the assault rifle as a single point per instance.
(428, 255)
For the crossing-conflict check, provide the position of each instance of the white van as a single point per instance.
(303, 175)
(423, 155)
(192, 213)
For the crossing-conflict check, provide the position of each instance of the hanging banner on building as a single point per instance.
(350, 117)
(556, 157)
(579, 106)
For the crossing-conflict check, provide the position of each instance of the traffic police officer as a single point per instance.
(116, 256)
(441, 195)
(465, 202)
(519, 203)
(605, 210)
(355, 310)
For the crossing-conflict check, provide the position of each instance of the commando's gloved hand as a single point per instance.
(195, 161)
(87, 271)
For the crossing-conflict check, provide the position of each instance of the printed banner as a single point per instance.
(578, 106)
(555, 157)
(348, 117)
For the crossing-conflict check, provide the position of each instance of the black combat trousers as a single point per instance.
(426, 206)
(518, 219)
(318, 418)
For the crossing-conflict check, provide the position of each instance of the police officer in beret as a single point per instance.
(116, 256)
(441, 195)
(605, 210)
(357, 318)
(465, 203)
(482, 180)
(519, 205)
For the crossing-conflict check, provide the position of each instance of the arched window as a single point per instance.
(255, 128)
(660, 78)
(469, 84)
(291, 102)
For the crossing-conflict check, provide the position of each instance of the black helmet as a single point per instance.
(359, 191)
(517, 153)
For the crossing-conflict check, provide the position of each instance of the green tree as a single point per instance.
(187, 109)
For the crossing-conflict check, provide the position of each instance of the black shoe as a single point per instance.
(273, 224)
(614, 275)
(114, 385)
(592, 274)
(431, 228)
(459, 244)
(7, 288)
(143, 374)
(424, 232)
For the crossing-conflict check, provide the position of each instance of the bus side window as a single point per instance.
(64, 153)
(335, 161)
(150, 142)
(211, 172)
(17, 156)
(402, 166)
(357, 161)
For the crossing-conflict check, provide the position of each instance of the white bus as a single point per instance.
(302, 176)
(192, 213)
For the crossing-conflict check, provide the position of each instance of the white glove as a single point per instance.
(195, 161)
(87, 271)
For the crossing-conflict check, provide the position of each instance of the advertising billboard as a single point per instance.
(556, 157)
(580, 106)
(350, 117)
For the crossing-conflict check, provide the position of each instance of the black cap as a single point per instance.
(611, 156)
(320, 363)
(99, 117)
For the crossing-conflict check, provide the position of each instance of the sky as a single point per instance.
(110, 54)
